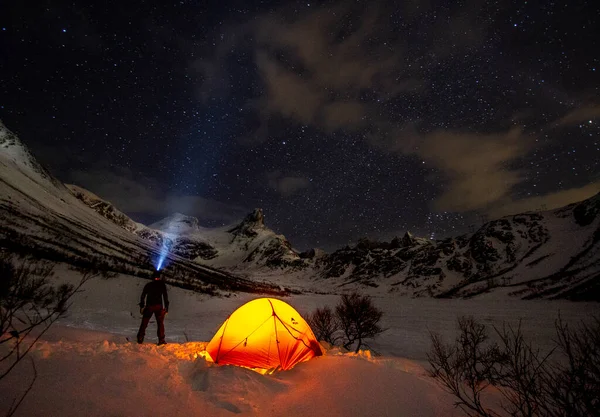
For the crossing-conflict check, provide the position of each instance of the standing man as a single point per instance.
(152, 303)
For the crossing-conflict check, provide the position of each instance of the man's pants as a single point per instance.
(159, 312)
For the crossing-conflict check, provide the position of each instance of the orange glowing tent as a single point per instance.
(265, 333)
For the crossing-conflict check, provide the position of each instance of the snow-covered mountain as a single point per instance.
(549, 254)
(245, 246)
(238, 247)
(554, 253)
(248, 245)
(44, 220)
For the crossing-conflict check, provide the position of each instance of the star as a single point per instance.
(339, 121)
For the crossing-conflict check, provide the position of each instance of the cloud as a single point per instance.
(548, 201)
(343, 114)
(333, 67)
(293, 96)
(475, 166)
(314, 69)
(141, 198)
(579, 115)
(332, 55)
(287, 185)
(509, 206)
(477, 170)
(287, 93)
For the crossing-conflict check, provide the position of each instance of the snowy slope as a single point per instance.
(104, 208)
(14, 151)
(85, 365)
(83, 373)
(44, 220)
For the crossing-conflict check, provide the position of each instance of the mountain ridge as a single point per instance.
(550, 254)
(45, 221)
(495, 256)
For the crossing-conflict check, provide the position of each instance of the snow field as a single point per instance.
(82, 372)
(86, 366)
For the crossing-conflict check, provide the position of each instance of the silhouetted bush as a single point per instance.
(355, 319)
(29, 305)
(324, 324)
(359, 319)
(573, 386)
(564, 382)
(465, 368)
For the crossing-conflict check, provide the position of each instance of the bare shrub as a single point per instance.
(564, 382)
(324, 324)
(465, 368)
(29, 305)
(355, 318)
(521, 373)
(573, 386)
(358, 319)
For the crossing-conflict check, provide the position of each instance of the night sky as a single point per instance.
(340, 119)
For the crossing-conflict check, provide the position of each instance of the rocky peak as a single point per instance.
(364, 243)
(256, 218)
(408, 239)
(251, 222)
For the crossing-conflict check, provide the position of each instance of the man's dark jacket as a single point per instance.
(153, 294)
